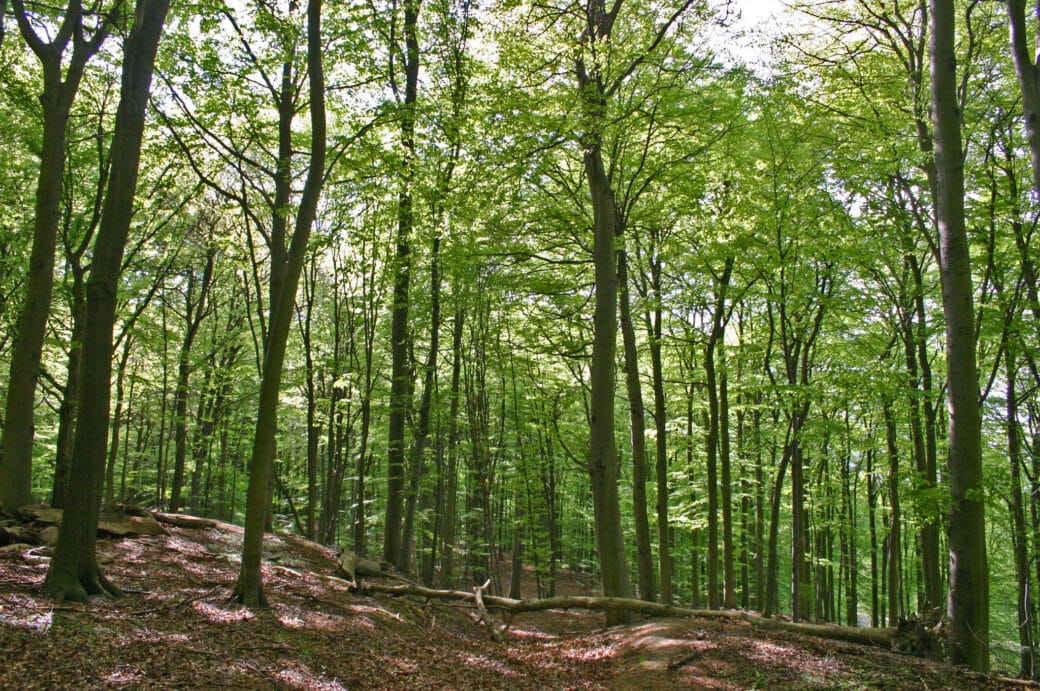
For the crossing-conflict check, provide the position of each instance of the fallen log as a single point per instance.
(115, 524)
(180, 520)
(876, 637)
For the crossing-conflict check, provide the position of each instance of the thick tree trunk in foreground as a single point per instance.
(56, 99)
(968, 601)
(603, 460)
(73, 573)
(249, 588)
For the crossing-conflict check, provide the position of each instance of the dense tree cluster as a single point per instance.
(443, 280)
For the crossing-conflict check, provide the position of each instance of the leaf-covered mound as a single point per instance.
(176, 629)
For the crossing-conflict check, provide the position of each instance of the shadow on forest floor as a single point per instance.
(177, 629)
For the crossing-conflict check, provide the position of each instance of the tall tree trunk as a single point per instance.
(249, 587)
(654, 321)
(117, 421)
(194, 311)
(603, 460)
(422, 431)
(603, 464)
(74, 573)
(1016, 506)
(872, 493)
(1028, 80)
(56, 101)
(729, 597)
(400, 376)
(451, 485)
(895, 542)
(711, 442)
(637, 421)
(968, 603)
(70, 398)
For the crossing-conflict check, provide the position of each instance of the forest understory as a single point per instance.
(176, 628)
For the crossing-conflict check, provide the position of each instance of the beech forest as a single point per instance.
(638, 308)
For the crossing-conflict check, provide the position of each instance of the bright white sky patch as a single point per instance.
(751, 33)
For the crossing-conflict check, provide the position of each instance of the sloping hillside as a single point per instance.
(176, 629)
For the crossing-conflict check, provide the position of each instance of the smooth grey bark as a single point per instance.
(74, 572)
(968, 598)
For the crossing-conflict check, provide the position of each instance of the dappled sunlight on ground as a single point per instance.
(125, 675)
(297, 618)
(177, 628)
(304, 679)
(222, 614)
(24, 612)
(486, 663)
(532, 634)
(159, 637)
(593, 654)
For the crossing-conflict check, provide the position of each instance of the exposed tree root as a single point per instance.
(66, 585)
(249, 591)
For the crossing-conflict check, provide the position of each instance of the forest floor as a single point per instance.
(177, 629)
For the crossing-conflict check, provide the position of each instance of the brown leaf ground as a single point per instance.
(176, 629)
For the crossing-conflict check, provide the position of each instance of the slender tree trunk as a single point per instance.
(451, 485)
(194, 311)
(772, 562)
(968, 603)
(1027, 658)
(74, 572)
(930, 563)
(313, 425)
(894, 543)
(637, 420)
(711, 442)
(729, 598)
(872, 521)
(1028, 80)
(654, 324)
(249, 587)
(70, 398)
(422, 431)
(117, 421)
(400, 376)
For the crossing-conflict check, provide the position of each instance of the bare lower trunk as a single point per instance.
(968, 601)
(73, 573)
